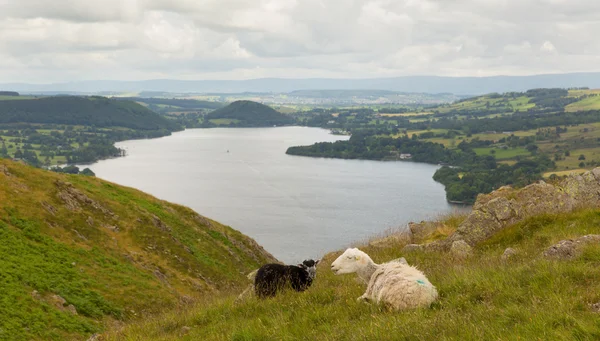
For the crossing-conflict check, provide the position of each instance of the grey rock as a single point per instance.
(421, 231)
(71, 308)
(461, 250)
(95, 337)
(185, 330)
(506, 206)
(570, 248)
(508, 253)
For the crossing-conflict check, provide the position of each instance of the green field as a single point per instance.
(503, 154)
(224, 121)
(8, 98)
(486, 102)
(590, 103)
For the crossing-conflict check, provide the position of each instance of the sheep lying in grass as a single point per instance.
(273, 277)
(394, 284)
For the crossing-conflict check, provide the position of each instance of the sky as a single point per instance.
(44, 41)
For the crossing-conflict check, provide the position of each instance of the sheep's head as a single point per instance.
(350, 261)
(311, 267)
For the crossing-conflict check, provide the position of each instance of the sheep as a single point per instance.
(273, 277)
(395, 284)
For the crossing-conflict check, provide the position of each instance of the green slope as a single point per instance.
(113, 253)
(250, 114)
(481, 298)
(89, 111)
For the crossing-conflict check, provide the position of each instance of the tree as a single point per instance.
(581, 164)
(581, 157)
(87, 172)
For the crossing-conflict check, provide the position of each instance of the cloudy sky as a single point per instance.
(64, 40)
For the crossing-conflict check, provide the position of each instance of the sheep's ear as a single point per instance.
(317, 261)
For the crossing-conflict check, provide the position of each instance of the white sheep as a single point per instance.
(394, 284)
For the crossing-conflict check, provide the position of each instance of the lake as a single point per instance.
(296, 207)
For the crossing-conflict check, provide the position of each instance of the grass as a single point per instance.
(107, 276)
(8, 98)
(572, 161)
(579, 93)
(224, 121)
(590, 103)
(503, 154)
(480, 103)
(482, 298)
(566, 172)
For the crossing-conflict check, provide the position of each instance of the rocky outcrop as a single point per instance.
(74, 198)
(4, 170)
(507, 206)
(570, 248)
(421, 231)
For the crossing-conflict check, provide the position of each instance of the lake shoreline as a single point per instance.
(276, 199)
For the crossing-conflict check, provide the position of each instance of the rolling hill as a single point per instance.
(249, 114)
(79, 254)
(89, 111)
(425, 84)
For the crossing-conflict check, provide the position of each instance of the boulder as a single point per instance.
(71, 308)
(508, 253)
(461, 250)
(570, 248)
(421, 231)
(506, 206)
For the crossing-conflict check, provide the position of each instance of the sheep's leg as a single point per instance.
(243, 294)
(364, 299)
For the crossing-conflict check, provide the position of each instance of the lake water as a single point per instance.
(296, 207)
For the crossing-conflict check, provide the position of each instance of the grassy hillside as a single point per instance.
(89, 111)
(78, 254)
(481, 298)
(249, 114)
(175, 105)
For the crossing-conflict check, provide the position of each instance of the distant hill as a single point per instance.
(78, 253)
(535, 100)
(418, 84)
(9, 93)
(249, 114)
(175, 104)
(90, 111)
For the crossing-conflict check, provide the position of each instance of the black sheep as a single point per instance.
(273, 277)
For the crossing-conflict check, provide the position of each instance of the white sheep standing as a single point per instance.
(394, 284)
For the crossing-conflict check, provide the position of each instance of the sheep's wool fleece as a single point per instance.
(400, 286)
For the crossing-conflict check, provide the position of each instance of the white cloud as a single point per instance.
(547, 46)
(61, 40)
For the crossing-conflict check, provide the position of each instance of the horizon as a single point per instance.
(300, 79)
